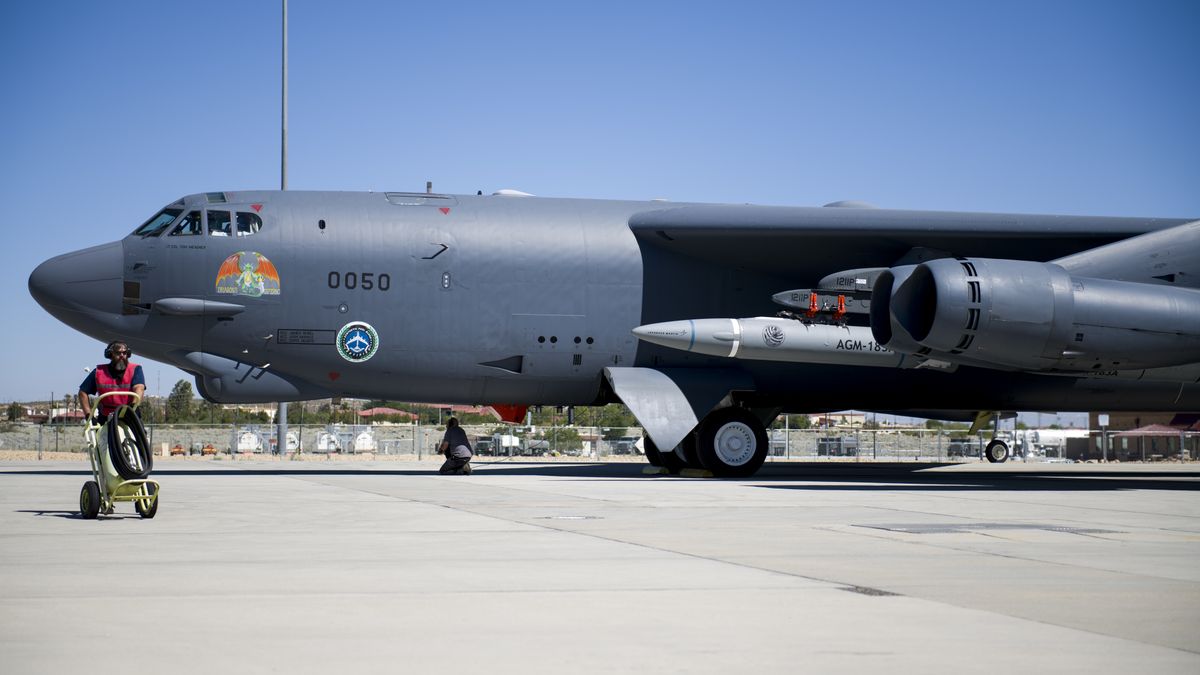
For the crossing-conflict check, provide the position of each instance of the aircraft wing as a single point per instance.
(1168, 256)
(780, 240)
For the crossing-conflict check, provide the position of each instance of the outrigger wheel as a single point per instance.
(996, 451)
(89, 500)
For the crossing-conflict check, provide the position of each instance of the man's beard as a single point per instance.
(119, 365)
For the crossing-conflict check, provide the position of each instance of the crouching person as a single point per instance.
(457, 450)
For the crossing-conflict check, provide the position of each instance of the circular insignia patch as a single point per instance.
(773, 335)
(357, 341)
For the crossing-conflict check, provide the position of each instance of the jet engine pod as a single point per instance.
(886, 330)
(1010, 306)
(1035, 316)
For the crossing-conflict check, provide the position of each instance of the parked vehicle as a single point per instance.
(837, 446)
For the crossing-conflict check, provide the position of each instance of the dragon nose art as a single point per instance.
(89, 279)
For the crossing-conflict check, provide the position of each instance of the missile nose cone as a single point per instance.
(715, 337)
(677, 334)
(89, 279)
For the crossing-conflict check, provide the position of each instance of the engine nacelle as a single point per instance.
(1033, 316)
(885, 328)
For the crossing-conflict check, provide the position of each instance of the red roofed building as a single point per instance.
(383, 412)
(1155, 442)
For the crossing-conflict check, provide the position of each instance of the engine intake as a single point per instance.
(1033, 316)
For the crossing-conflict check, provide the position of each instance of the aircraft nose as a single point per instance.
(89, 279)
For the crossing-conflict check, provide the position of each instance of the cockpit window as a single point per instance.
(160, 221)
(219, 223)
(248, 224)
(188, 225)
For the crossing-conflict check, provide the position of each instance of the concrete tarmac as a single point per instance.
(383, 567)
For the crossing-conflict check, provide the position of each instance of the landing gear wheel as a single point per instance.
(142, 509)
(652, 454)
(688, 452)
(89, 500)
(996, 451)
(732, 443)
(671, 461)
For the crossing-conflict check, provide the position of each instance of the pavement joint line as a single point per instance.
(1060, 505)
(658, 549)
(973, 499)
(469, 501)
(475, 484)
(547, 526)
(993, 554)
(1029, 618)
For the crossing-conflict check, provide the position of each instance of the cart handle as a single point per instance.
(87, 422)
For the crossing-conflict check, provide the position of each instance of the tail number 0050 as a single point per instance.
(367, 281)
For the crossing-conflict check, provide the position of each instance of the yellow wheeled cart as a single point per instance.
(121, 463)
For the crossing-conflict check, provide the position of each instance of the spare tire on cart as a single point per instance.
(127, 444)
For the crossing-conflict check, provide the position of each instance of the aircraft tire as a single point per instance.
(89, 500)
(127, 445)
(689, 452)
(144, 511)
(996, 451)
(653, 456)
(671, 461)
(732, 443)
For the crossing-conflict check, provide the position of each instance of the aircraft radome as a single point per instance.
(706, 320)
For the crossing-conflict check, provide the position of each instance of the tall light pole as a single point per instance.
(281, 420)
(283, 114)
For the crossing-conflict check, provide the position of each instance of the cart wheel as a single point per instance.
(139, 504)
(89, 500)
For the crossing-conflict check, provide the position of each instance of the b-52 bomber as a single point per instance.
(706, 320)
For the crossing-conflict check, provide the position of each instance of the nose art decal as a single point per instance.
(248, 273)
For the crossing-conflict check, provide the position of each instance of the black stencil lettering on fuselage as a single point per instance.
(304, 336)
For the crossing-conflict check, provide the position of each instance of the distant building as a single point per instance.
(386, 412)
(1142, 436)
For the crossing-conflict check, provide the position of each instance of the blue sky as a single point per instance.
(115, 109)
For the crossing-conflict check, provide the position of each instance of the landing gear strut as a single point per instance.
(996, 451)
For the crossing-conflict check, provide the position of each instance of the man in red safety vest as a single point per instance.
(116, 375)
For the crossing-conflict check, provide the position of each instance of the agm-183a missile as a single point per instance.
(774, 339)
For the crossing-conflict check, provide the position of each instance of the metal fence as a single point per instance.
(584, 442)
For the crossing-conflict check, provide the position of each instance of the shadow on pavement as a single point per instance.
(872, 476)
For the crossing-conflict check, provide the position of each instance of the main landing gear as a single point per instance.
(996, 451)
(729, 443)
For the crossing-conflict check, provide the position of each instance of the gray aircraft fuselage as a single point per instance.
(521, 300)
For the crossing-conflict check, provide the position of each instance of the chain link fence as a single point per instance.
(608, 443)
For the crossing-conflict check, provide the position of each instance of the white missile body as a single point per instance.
(774, 339)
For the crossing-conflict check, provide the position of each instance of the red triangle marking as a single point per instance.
(257, 207)
(334, 375)
(444, 209)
